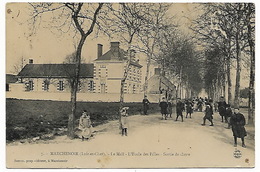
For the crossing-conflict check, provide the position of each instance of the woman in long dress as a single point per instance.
(85, 126)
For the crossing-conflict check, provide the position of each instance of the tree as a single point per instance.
(214, 29)
(180, 58)
(156, 23)
(127, 21)
(71, 59)
(250, 17)
(212, 74)
(19, 65)
(83, 18)
(227, 29)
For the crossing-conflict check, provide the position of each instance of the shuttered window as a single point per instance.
(91, 86)
(60, 86)
(29, 86)
(45, 85)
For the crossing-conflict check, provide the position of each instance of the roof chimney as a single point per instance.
(30, 61)
(157, 71)
(99, 50)
(114, 50)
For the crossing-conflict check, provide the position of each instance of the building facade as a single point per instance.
(109, 70)
(104, 75)
(159, 84)
(55, 77)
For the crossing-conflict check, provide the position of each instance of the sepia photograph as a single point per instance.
(129, 85)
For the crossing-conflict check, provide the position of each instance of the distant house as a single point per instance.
(104, 75)
(8, 80)
(159, 84)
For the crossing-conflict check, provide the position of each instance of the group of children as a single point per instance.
(235, 120)
(166, 108)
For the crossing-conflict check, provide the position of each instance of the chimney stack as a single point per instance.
(30, 61)
(157, 71)
(99, 50)
(114, 50)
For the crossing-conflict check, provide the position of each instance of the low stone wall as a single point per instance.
(86, 97)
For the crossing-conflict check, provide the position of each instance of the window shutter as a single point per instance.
(58, 86)
(43, 85)
(89, 86)
(62, 83)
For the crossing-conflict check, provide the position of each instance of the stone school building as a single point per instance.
(99, 81)
(102, 76)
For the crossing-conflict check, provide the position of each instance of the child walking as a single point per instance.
(124, 120)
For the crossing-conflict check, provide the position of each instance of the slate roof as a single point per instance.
(108, 55)
(122, 56)
(10, 78)
(55, 70)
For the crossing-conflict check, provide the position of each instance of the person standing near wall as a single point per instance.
(145, 105)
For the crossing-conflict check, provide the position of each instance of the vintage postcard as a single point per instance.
(130, 85)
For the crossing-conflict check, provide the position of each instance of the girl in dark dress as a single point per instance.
(189, 108)
(237, 121)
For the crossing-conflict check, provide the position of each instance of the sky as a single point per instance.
(48, 47)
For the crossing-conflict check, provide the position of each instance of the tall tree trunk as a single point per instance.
(229, 81)
(147, 74)
(251, 101)
(238, 71)
(123, 81)
(74, 89)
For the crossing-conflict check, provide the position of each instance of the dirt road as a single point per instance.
(151, 143)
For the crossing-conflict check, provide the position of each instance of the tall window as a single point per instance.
(103, 88)
(45, 85)
(60, 86)
(29, 86)
(91, 85)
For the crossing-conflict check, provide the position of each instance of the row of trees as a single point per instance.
(227, 31)
(145, 27)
